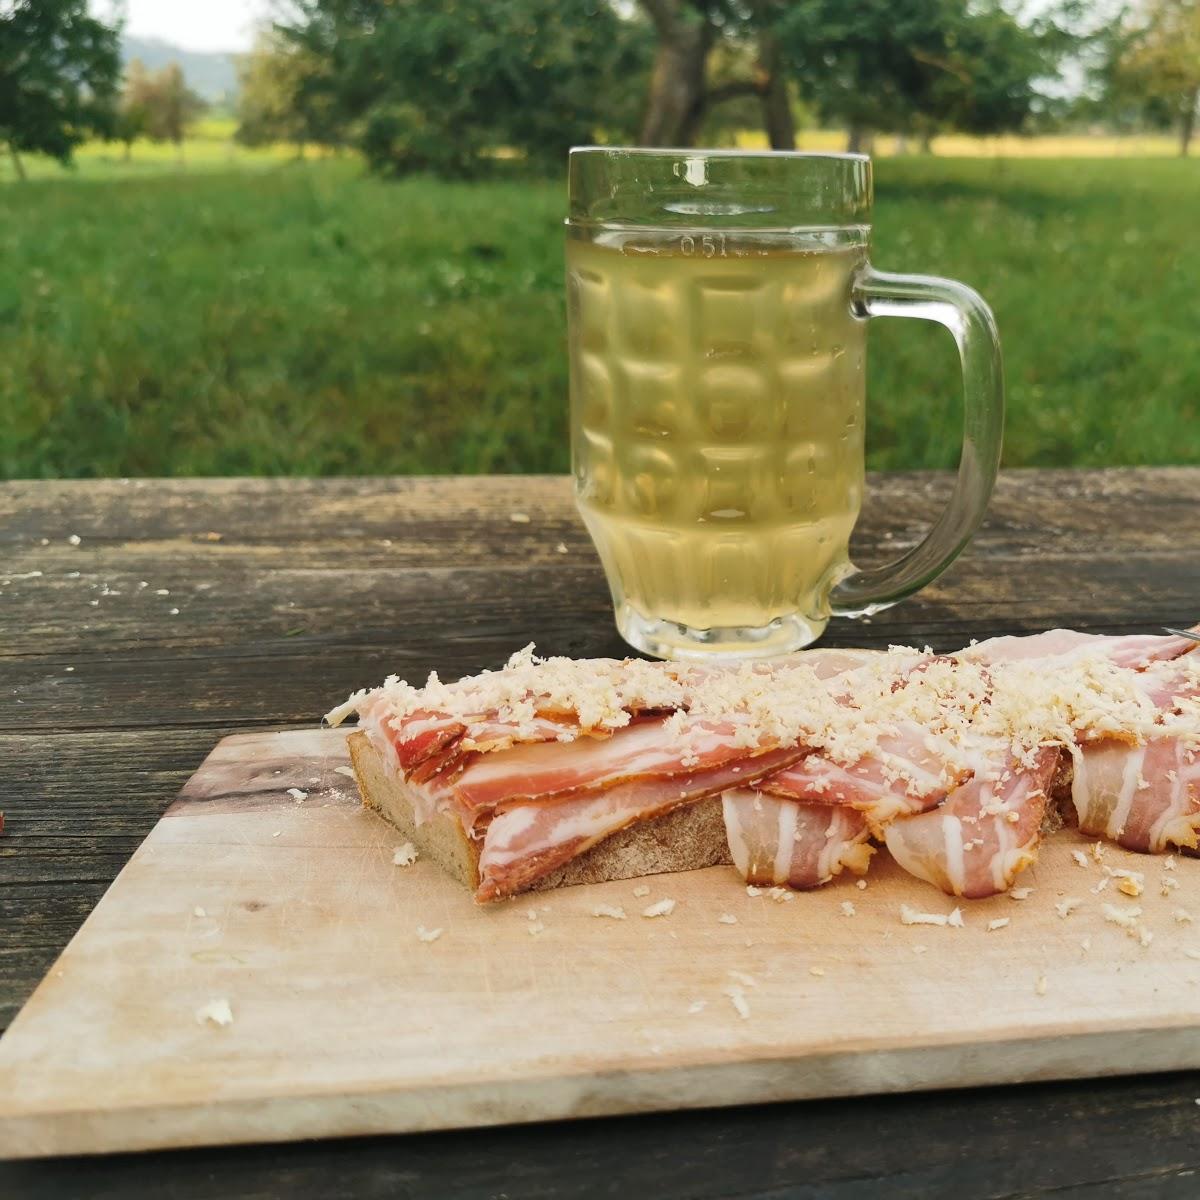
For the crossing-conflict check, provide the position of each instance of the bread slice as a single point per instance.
(1060, 809)
(684, 839)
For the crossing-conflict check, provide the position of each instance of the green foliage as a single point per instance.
(284, 95)
(439, 87)
(1155, 63)
(133, 112)
(157, 105)
(173, 106)
(922, 64)
(58, 76)
(310, 320)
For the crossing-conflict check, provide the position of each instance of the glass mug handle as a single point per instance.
(964, 312)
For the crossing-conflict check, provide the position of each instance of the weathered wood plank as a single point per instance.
(101, 611)
(438, 521)
(269, 510)
(315, 576)
(1119, 1138)
(284, 646)
(267, 608)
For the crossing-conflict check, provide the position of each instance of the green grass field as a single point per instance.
(301, 317)
(209, 147)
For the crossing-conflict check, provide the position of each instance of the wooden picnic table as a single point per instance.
(140, 621)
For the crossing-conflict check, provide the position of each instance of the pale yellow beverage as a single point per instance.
(717, 411)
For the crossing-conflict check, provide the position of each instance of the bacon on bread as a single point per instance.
(554, 771)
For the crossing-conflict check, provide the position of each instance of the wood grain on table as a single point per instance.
(206, 606)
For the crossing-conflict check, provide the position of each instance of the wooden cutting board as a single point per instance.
(288, 907)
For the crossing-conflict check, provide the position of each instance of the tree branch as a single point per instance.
(940, 64)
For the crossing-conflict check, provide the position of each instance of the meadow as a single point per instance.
(258, 315)
(209, 146)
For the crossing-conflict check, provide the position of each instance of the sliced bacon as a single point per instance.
(1167, 685)
(828, 663)
(452, 757)
(645, 750)
(526, 841)
(1145, 795)
(987, 831)
(777, 841)
(907, 774)
(446, 763)
(1135, 650)
(550, 768)
(489, 735)
(424, 745)
(423, 736)
(1145, 798)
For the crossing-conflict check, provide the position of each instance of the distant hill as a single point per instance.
(211, 75)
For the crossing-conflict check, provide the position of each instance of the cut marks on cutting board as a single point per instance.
(346, 1022)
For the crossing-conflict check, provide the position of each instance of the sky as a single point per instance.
(190, 24)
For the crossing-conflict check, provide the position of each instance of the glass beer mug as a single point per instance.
(717, 308)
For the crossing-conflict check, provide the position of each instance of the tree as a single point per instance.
(133, 111)
(681, 94)
(441, 87)
(155, 104)
(171, 106)
(284, 96)
(1157, 62)
(993, 75)
(59, 70)
(920, 65)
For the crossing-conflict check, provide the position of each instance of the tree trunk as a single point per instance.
(1187, 124)
(776, 103)
(18, 165)
(927, 142)
(859, 139)
(129, 150)
(675, 104)
(689, 127)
